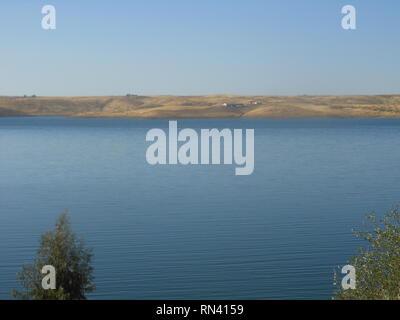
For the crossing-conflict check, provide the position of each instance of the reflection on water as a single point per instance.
(197, 231)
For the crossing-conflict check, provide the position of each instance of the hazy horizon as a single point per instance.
(278, 48)
(193, 95)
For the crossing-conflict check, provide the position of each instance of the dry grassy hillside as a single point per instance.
(212, 106)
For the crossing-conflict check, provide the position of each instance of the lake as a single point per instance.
(197, 232)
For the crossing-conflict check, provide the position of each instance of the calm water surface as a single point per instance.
(199, 231)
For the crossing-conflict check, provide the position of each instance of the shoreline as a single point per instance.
(205, 107)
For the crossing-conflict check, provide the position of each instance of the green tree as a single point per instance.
(68, 254)
(378, 265)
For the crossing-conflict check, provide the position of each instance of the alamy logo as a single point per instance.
(349, 20)
(349, 280)
(49, 18)
(49, 281)
(185, 147)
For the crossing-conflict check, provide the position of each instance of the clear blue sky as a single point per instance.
(277, 47)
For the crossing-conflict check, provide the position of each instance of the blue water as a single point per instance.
(198, 231)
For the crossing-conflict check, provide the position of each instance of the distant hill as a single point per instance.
(211, 106)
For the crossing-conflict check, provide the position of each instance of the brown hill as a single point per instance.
(211, 106)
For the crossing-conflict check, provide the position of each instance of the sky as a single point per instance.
(193, 47)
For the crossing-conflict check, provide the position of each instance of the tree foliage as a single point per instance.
(68, 254)
(377, 266)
